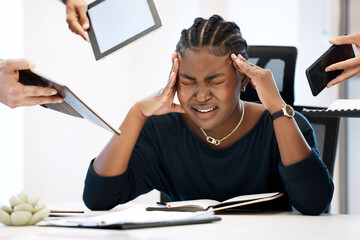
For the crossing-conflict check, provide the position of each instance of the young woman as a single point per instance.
(212, 145)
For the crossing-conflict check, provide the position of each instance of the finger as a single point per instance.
(242, 65)
(75, 27)
(18, 64)
(174, 68)
(169, 89)
(342, 65)
(32, 101)
(177, 108)
(84, 21)
(347, 39)
(35, 91)
(173, 57)
(343, 76)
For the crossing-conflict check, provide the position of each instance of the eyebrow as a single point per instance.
(184, 75)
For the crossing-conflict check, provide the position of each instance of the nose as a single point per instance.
(202, 93)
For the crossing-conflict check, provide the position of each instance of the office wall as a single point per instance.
(58, 148)
(11, 120)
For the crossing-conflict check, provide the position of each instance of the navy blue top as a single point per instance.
(169, 157)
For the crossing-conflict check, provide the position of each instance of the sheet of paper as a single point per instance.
(345, 104)
(136, 214)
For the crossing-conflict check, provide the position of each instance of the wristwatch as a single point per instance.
(286, 111)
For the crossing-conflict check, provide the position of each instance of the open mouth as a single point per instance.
(205, 110)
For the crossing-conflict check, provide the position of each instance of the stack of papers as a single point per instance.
(136, 217)
(338, 108)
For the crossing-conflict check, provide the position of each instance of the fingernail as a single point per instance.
(31, 65)
(53, 92)
(85, 26)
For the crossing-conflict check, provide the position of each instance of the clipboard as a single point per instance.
(72, 105)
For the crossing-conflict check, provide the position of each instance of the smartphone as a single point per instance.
(316, 74)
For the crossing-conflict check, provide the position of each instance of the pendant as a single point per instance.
(213, 140)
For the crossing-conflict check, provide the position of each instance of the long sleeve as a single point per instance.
(308, 182)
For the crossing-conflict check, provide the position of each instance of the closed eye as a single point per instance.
(216, 79)
(186, 83)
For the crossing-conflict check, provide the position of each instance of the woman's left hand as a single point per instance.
(263, 82)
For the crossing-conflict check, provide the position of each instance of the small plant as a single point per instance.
(23, 211)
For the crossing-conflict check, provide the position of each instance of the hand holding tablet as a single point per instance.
(116, 23)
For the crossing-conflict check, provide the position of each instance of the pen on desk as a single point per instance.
(66, 211)
(161, 204)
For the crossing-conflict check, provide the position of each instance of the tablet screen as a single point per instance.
(116, 23)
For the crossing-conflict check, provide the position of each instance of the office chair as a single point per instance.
(327, 132)
(281, 61)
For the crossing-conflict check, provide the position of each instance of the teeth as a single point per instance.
(207, 110)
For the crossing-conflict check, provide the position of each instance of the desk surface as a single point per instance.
(278, 225)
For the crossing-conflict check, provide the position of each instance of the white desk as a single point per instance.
(240, 226)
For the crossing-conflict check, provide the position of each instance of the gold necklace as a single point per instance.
(218, 141)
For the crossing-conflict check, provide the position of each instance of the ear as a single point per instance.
(244, 80)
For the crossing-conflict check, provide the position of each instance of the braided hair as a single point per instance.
(216, 35)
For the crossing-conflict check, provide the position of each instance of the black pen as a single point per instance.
(161, 204)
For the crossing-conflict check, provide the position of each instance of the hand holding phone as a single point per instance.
(316, 74)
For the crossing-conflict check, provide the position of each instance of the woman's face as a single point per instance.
(208, 88)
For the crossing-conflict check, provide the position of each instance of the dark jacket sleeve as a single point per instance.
(308, 182)
(144, 174)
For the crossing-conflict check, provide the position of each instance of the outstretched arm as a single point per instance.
(14, 94)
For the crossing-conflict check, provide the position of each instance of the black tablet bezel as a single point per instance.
(336, 53)
(94, 42)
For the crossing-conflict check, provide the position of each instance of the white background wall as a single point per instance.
(11, 120)
(58, 148)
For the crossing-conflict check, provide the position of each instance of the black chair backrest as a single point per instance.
(281, 61)
(327, 132)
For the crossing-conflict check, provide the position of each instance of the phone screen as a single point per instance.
(316, 74)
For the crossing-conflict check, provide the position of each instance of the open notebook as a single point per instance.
(71, 105)
(338, 108)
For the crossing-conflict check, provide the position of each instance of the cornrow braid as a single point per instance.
(216, 35)
(195, 31)
(210, 28)
(222, 34)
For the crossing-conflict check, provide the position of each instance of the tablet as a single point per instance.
(316, 74)
(116, 23)
(71, 105)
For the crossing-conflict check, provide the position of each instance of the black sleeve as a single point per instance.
(308, 182)
(144, 174)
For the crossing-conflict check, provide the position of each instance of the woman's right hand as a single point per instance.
(162, 102)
